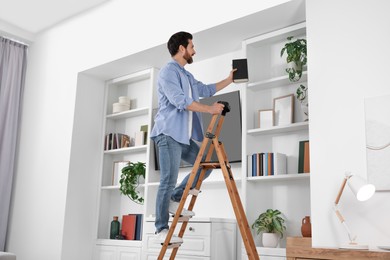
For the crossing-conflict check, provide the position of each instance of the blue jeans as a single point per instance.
(171, 153)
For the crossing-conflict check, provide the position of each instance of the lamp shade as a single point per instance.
(362, 190)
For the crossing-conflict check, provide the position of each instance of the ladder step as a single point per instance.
(194, 192)
(172, 245)
(182, 218)
(210, 165)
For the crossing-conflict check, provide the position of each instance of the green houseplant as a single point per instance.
(301, 93)
(296, 56)
(129, 181)
(268, 222)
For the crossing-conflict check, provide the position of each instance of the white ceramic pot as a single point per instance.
(270, 239)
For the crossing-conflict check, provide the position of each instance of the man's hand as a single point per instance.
(216, 108)
(223, 83)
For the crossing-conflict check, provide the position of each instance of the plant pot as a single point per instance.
(270, 239)
(294, 70)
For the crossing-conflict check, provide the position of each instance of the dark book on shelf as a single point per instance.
(241, 74)
(303, 157)
(138, 227)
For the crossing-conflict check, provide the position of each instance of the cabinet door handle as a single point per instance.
(191, 229)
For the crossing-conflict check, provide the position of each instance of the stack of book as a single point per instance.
(267, 164)
(132, 226)
(116, 141)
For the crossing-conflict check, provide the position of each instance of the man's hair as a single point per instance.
(179, 38)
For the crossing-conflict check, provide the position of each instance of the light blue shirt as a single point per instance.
(173, 86)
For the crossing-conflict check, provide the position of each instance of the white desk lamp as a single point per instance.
(363, 192)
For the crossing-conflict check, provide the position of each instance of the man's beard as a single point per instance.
(188, 57)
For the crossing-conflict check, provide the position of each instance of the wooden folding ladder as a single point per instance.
(211, 143)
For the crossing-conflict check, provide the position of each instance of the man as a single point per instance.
(177, 123)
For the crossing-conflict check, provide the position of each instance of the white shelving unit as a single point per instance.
(289, 193)
(137, 86)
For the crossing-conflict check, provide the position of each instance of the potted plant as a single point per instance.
(303, 99)
(130, 179)
(296, 57)
(271, 224)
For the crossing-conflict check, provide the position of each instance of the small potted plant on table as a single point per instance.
(271, 224)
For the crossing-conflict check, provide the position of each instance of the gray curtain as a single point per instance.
(13, 61)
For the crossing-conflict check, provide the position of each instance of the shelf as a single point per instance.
(294, 176)
(275, 82)
(116, 187)
(131, 78)
(206, 182)
(268, 251)
(129, 113)
(116, 242)
(134, 149)
(279, 129)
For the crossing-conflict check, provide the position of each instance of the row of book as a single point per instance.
(267, 164)
(116, 141)
(132, 226)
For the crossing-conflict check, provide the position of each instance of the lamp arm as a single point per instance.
(341, 190)
(338, 214)
(351, 237)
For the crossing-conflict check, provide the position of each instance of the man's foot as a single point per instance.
(160, 238)
(173, 205)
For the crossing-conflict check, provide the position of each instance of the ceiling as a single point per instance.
(26, 18)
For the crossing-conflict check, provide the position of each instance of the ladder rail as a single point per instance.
(236, 203)
(191, 205)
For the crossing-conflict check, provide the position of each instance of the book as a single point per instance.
(128, 226)
(125, 141)
(144, 128)
(138, 227)
(306, 158)
(301, 156)
(139, 138)
(280, 163)
(241, 74)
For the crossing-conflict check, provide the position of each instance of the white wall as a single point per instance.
(348, 61)
(108, 32)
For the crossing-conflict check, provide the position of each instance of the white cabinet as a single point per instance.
(204, 238)
(105, 252)
(289, 193)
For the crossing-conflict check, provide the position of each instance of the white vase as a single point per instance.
(270, 239)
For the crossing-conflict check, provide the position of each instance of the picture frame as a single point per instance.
(283, 110)
(377, 129)
(117, 171)
(266, 118)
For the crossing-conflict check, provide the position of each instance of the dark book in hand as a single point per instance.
(241, 74)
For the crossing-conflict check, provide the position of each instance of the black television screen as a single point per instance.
(230, 134)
